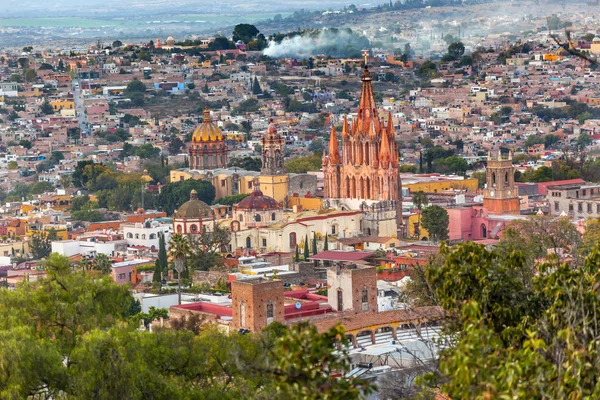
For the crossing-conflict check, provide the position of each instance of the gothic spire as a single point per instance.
(334, 153)
(384, 151)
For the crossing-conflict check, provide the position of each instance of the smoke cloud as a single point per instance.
(329, 42)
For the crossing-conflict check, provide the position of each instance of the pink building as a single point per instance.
(122, 272)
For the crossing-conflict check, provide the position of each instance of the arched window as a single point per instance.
(129, 235)
(248, 243)
(152, 236)
(137, 235)
(241, 218)
(493, 179)
(365, 299)
(483, 231)
(270, 312)
(340, 300)
(273, 217)
(292, 239)
(143, 236)
(506, 177)
(257, 218)
(194, 228)
(179, 229)
(334, 229)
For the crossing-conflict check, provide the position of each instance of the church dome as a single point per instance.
(257, 201)
(596, 40)
(193, 208)
(207, 130)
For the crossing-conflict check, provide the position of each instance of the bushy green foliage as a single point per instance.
(174, 194)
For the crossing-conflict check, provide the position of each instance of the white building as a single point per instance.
(89, 247)
(146, 234)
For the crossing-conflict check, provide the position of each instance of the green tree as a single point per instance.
(207, 247)
(419, 199)
(174, 194)
(163, 261)
(41, 187)
(314, 244)
(583, 141)
(40, 245)
(297, 256)
(245, 32)
(435, 219)
(302, 165)
(102, 263)
(46, 108)
(231, 200)
(179, 251)
(306, 254)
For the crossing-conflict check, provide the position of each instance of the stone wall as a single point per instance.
(212, 277)
(302, 184)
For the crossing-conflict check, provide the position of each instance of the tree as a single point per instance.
(536, 235)
(41, 243)
(102, 263)
(231, 200)
(435, 220)
(25, 143)
(302, 165)
(533, 140)
(536, 326)
(72, 335)
(116, 44)
(163, 261)
(175, 145)
(314, 244)
(207, 248)
(297, 256)
(79, 202)
(179, 251)
(326, 244)
(306, 255)
(419, 199)
(174, 194)
(481, 177)
(316, 145)
(135, 86)
(41, 187)
(256, 89)
(456, 50)
(245, 32)
(583, 141)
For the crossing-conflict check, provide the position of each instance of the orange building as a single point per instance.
(501, 196)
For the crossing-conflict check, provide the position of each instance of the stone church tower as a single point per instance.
(273, 179)
(500, 195)
(208, 149)
(368, 166)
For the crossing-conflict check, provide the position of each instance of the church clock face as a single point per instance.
(510, 192)
(492, 193)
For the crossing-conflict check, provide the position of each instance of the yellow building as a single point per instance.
(226, 183)
(439, 186)
(304, 203)
(275, 186)
(412, 227)
(58, 105)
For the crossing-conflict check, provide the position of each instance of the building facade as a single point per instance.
(577, 201)
(273, 179)
(367, 168)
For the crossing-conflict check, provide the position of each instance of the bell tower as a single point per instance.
(273, 179)
(500, 195)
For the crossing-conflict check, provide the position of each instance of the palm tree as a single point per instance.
(179, 250)
(419, 199)
(102, 263)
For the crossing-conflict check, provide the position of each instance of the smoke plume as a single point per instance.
(329, 42)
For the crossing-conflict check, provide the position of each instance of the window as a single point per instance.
(589, 208)
(241, 218)
(242, 314)
(579, 207)
(194, 228)
(250, 185)
(179, 228)
(152, 236)
(223, 183)
(333, 229)
(122, 276)
(365, 299)
(273, 217)
(257, 218)
(292, 239)
(556, 207)
(598, 208)
(340, 300)
(270, 312)
(570, 207)
(129, 235)
(585, 192)
(264, 242)
(144, 236)
(137, 235)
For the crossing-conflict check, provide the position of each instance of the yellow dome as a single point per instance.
(207, 131)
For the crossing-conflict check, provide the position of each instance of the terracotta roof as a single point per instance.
(257, 201)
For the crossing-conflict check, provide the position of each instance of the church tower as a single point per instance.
(500, 195)
(368, 166)
(273, 179)
(208, 149)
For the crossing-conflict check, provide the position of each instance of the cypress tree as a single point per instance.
(162, 253)
(297, 258)
(306, 255)
(325, 245)
(314, 246)
(157, 277)
(421, 162)
(256, 89)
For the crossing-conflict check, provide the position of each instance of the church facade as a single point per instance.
(365, 175)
